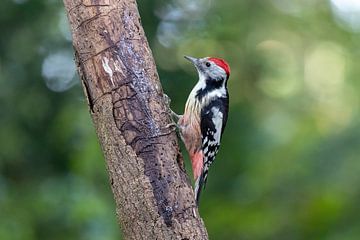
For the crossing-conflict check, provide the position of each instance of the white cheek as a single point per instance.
(219, 72)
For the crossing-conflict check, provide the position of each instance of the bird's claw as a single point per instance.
(172, 125)
(173, 115)
(167, 100)
(194, 212)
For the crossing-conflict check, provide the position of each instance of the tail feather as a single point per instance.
(198, 187)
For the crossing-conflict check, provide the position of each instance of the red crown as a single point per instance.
(221, 63)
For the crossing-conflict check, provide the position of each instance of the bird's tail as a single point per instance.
(199, 184)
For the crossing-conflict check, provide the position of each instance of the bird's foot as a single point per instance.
(172, 126)
(173, 115)
(167, 100)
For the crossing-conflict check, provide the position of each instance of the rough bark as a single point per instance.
(154, 199)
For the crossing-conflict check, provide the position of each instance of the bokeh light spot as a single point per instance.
(58, 70)
(347, 13)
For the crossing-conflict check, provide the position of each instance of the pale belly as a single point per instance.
(190, 133)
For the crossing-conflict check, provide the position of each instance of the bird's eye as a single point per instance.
(207, 64)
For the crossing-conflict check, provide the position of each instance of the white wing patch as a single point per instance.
(218, 121)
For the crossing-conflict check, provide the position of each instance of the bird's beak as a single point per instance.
(192, 59)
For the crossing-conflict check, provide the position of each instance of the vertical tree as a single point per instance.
(154, 199)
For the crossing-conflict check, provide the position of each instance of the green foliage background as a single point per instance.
(289, 165)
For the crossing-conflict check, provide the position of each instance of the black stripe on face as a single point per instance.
(211, 84)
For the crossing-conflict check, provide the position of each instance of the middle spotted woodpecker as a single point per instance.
(206, 111)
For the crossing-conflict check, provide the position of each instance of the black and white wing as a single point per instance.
(213, 121)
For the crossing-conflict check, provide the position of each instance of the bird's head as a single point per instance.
(212, 68)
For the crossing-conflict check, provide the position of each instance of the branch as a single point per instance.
(154, 199)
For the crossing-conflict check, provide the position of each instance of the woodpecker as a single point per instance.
(204, 119)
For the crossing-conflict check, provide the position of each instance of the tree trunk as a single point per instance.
(154, 199)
